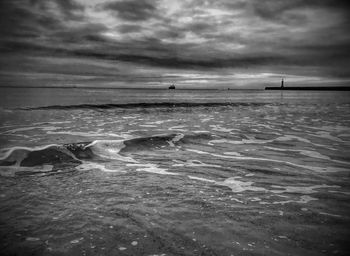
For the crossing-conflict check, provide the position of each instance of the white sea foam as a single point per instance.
(11, 150)
(49, 128)
(234, 184)
(158, 122)
(222, 129)
(326, 135)
(10, 171)
(89, 165)
(178, 137)
(207, 153)
(147, 125)
(335, 128)
(197, 163)
(201, 179)
(239, 142)
(197, 151)
(200, 131)
(206, 119)
(232, 153)
(330, 214)
(90, 134)
(20, 129)
(239, 186)
(268, 127)
(300, 190)
(313, 154)
(309, 153)
(292, 137)
(152, 168)
(177, 127)
(312, 168)
(237, 200)
(340, 192)
(10, 126)
(23, 129)
(303, 200)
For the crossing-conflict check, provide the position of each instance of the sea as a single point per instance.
(86, 171)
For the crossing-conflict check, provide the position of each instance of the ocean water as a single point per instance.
(174, 172)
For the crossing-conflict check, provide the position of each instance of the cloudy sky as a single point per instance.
(192, 43)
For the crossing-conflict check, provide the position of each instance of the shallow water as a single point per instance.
(183, 173)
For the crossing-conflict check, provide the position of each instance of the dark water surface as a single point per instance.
(158, 172)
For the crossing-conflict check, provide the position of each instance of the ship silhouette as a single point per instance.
(172, 86)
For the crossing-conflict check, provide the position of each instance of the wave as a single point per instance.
(150, 105)
(75, 154)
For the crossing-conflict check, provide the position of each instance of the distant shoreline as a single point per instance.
(133, 88)
(310, 88)
(275, 88)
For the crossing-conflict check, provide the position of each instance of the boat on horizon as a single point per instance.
(172, 86)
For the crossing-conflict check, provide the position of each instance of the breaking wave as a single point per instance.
(74, 154)
(150, 105)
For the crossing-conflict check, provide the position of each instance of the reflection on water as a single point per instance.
(267, 175)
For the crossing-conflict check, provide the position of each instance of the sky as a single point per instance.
(192, 43)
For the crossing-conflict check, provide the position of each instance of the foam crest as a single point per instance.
(177, 138)
(13, 150)
(109, 149)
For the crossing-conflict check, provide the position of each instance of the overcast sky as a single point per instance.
(192, 43)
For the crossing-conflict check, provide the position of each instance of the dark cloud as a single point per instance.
(68, 8)
(134, 10)
(34, 18)
(286, 36)
(180, 63)
(82, 35)
(129, 28)
(17, 21)
(271, 9)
